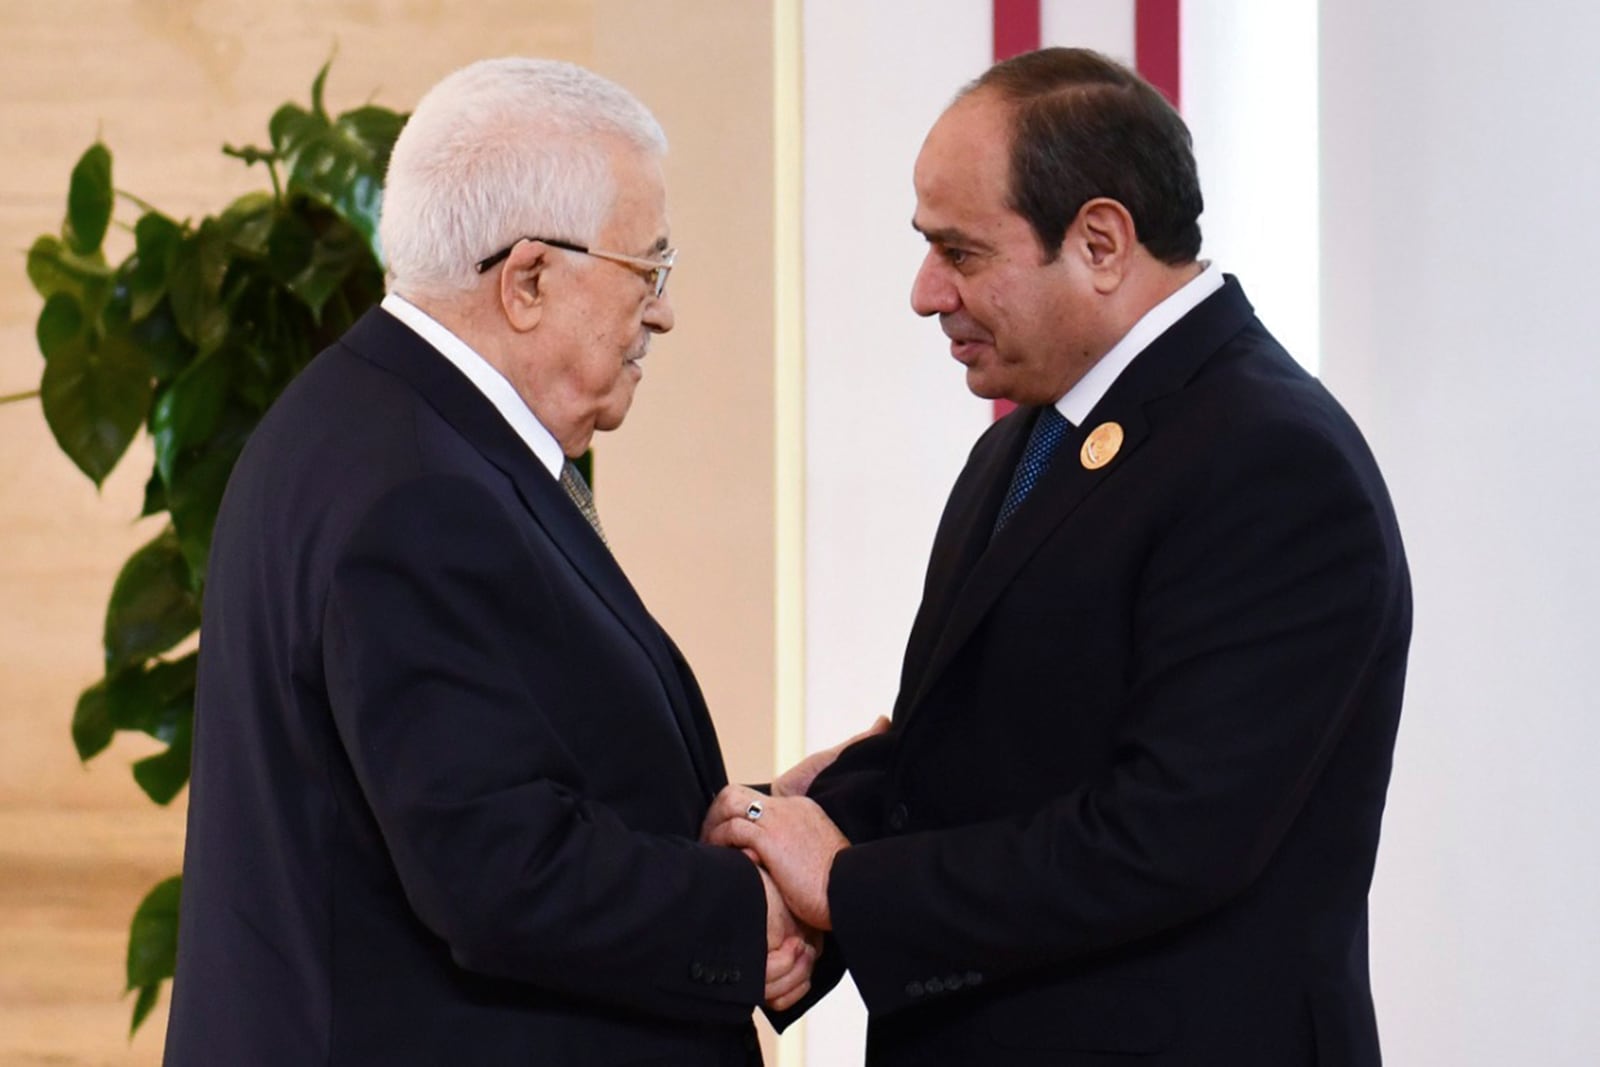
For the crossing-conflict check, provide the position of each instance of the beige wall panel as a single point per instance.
(165, 83)
(686, 486)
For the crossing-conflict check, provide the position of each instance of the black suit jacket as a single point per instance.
(1130, 802)
(448, 771)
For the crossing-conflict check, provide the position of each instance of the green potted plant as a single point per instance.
(191, 336)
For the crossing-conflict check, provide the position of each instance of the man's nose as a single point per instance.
(659, 316)
(932, 292)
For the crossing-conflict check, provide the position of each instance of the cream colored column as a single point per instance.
(701, 490)
(687, 485)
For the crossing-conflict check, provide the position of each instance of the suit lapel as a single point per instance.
(385, 341)
(1163, 368)
(963, 537)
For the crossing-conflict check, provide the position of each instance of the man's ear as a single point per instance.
(524, 284)
(1104, 235)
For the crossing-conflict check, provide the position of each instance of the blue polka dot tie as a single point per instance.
(1049, 430)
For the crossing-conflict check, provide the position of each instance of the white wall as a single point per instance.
(1249, 94)
(888, 418)
(1105, 25)
(1461, 163)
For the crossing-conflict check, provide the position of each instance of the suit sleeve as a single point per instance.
(433, 604)
(1257, 618)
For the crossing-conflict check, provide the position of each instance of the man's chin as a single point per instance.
(610, 416)
(982, 384)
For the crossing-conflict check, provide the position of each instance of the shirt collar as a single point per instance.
(489, 381)
(1082, 397)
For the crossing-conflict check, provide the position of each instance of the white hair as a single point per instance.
(503, 149)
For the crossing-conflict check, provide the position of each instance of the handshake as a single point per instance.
(793, 842)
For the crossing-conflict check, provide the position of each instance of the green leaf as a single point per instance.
(341, 163)
(149, 996)
(91, 722)
(152, 605)
(317, 87)
(290, 247)
(247, 223)
(292, 125)
(168, 350)
(186, 412)
(194, 285)
(153, 936)
(95, 392)
(60, 326)
(163, 776)
(89, 200)
(195, 490)
(156, 241)
(54, 268)
(157, 700)
(338, 252)
(362, 289)
(155, 496)
(375, 127)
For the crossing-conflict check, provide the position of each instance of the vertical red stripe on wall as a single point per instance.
(1016, 30)
(1016, 27)
(1155, 46)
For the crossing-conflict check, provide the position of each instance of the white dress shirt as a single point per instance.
(489, 381)
(1082, 397)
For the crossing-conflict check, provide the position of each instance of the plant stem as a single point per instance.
(138, 202)
(15, 397)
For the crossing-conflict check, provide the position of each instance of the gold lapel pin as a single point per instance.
(1101, 446)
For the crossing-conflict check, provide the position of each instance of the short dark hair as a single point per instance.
(1084, 126)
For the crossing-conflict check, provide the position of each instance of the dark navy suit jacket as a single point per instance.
(448, 771)
(1128, 809)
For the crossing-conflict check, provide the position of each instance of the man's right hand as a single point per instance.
(791, 952)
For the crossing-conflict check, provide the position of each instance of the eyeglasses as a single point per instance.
(654, 269)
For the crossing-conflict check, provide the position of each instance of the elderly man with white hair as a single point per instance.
(448, 771)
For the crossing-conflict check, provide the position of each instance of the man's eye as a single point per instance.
(954, 256)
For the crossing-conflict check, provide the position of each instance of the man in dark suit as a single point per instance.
(448, 771)
(1130, 801)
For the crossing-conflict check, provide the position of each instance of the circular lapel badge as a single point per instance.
(1101, 446)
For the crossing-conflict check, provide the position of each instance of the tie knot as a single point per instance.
(572, 481)
(577, 491)
(1048, 430)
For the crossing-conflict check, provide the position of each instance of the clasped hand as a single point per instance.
(793, 842)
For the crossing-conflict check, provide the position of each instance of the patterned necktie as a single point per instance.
(1049, 430)
(577, 491)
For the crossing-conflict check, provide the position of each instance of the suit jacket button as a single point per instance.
(697, 971)
(898, 817)
(953, 982)
(974, 978)
(914, 989)
(933, 985)
(734, 975)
